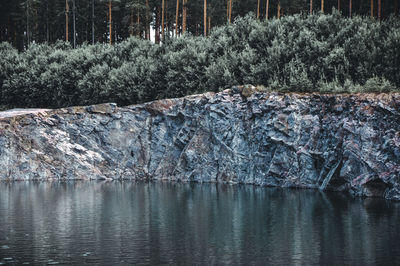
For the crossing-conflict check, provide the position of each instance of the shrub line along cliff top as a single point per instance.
(317, 53)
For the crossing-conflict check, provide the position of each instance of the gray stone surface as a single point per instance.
(17, 111)
(328, 142)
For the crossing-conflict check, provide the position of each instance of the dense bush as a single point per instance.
(327, 53)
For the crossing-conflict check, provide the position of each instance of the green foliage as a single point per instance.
(318, 53)
(9, 61)
(184, 63)
(376, 84)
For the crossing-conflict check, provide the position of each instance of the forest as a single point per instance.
(109, 21)
(61, 53)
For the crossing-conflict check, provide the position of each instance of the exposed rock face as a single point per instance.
(331, 142)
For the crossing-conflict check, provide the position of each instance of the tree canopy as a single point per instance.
(304, 53)
(38, 21)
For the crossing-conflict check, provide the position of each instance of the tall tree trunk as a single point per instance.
(177, 18)
(147, 20)
(338, 5)
(92, 21)
(2, 31)
(350, 8)
(230, 11)
(278, 10)
(27, 24)
(87, 29)
(205, 17)
(15, 35)
(396, 7)
(1, 34)
(138, 20)
(10, 31)
(66, 20)
(157, 29)
(184, 16)
(311, 6)
(47, 22)
(227, 10)
(372, 8)
(131, 22)
(379, 9)
(267, 10)
(166, 18)
(36, 32)
(258, 9)
(322, 6)
(110, 19)
(162, 20)
(74, 20)
(209, 24)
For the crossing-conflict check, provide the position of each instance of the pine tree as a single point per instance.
(205, 18)
(372, 8)
(162, 20)
(110, 19)
(184, 16)
(230, 11)
(227, 10)
(350, 7)
(278, 10)
(47, 22)
(209, 24)
(74, 21)
(66, 21)
(147, 30)
(138, 19)
(177, 18)
(379, 9)
(93, 21)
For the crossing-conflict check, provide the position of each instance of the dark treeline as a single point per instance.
(328, 53)
(109, 21)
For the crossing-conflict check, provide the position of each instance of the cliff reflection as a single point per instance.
(116, 222)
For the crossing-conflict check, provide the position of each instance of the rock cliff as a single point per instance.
(329, 142)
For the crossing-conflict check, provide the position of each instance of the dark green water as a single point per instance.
(164, 223)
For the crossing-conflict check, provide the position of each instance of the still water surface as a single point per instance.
(165, 223)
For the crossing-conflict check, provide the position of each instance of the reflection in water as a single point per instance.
(117, 222)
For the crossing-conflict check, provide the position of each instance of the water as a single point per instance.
(166, 223)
